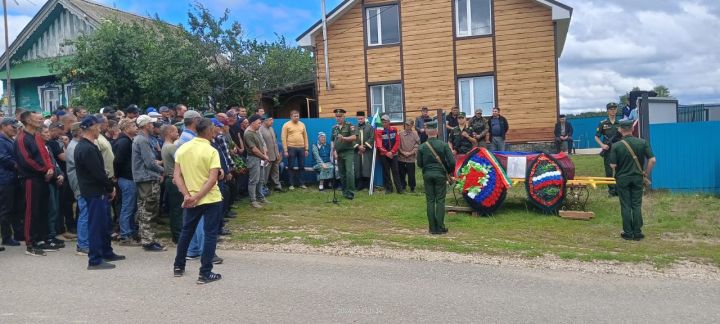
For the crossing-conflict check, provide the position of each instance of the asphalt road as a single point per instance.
(283, 288)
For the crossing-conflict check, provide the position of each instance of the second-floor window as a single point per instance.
(473, 17)
(383, 25)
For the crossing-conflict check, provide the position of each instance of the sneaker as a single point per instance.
(265, 201)
(2, 248)
(217, 260)
(638, 236)
(210, 277)
(192, 257)
(278, 189)
(303, 187)
(178, 272)
(129, 242)
(292, 188)
(321, 188)
(33, 251)
(255, 204)
(59, 243)
(115, 257)
(10, 242)
(82, 252)
(101, 266)
(153, 247)
(47, 247)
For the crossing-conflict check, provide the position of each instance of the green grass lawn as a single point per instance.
(677, 227)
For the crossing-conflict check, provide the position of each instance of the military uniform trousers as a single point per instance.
(435, 191)
(346, 168)
(609, 172)
(630, 190)
(148, 203)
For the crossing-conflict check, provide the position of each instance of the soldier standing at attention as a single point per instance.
(461, 137)
(608, 130)
(627, 158)
(478, 124)
(436, 161)
(343, 139)
(364, 144)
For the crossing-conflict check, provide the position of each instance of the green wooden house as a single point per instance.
(43, 40)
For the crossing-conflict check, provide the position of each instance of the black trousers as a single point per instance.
(35, 210)
(391, 174)
(407, 172)
(9, 221)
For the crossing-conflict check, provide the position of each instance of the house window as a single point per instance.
(387, 99)
(49, 98)
(383, 25)
(477, 93)
(473, 17)
(71, 92)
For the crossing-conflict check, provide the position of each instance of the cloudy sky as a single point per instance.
(613, 45)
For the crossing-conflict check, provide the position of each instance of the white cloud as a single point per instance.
(615, 45)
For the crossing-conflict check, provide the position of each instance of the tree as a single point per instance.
(662, 91)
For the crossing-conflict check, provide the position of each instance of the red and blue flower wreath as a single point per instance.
(482, 181)
(545, 184)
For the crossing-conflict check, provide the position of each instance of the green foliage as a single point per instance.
(662, 91)
(211, 63)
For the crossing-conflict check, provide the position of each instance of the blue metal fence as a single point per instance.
(584, 131)
(692, 114)
(314, 126)
(688, 157)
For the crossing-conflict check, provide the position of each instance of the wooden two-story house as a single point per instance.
(397, 56)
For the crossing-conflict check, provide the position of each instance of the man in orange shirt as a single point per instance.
(387, 142)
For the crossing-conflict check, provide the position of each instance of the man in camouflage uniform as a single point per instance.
(479, 126)
(630, 177)
(435, 176)
(343, 139)
(606, 135)
(364, 145)
(147, 174)
(461, 137)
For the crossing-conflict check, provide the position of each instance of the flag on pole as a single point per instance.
(376, 122)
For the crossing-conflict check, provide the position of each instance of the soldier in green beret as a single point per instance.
(436, 161)
(605, 135)
(627, 158)
(343, 139)
(461, 137)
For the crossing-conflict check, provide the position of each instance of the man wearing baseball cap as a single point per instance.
(97, 190)
(147, 174)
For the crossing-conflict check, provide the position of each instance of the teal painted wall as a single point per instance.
(26, 92)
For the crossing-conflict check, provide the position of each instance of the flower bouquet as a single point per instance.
(240, 167)
(545, 184)
(482, 181)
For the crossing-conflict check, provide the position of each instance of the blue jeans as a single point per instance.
(128, 192)
(54, 210)
(82, 224)
(99, 227)
(296, 153)
(212, 219)
(196, 244)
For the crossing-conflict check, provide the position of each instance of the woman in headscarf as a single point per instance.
(323, 165)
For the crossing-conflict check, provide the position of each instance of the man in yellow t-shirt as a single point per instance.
(295, 148)
(197, 169)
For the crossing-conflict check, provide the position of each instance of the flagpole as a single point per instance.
(372, 170)
(7, 58)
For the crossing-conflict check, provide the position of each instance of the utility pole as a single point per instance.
(7, 62)
(325, 47)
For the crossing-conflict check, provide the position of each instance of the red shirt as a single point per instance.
(386, 140)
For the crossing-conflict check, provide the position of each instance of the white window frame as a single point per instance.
(383, 109)
(70, 89)
(41, 96)
(378, 18)
(468, 32)
(470, 111)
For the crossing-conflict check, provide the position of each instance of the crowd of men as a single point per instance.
(95, 177)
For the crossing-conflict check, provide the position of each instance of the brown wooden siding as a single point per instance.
(427, 29)
(474, 55)
(525, 76)
(347, 65)
(383, 64)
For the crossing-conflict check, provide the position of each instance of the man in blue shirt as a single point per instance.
(8, 183)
